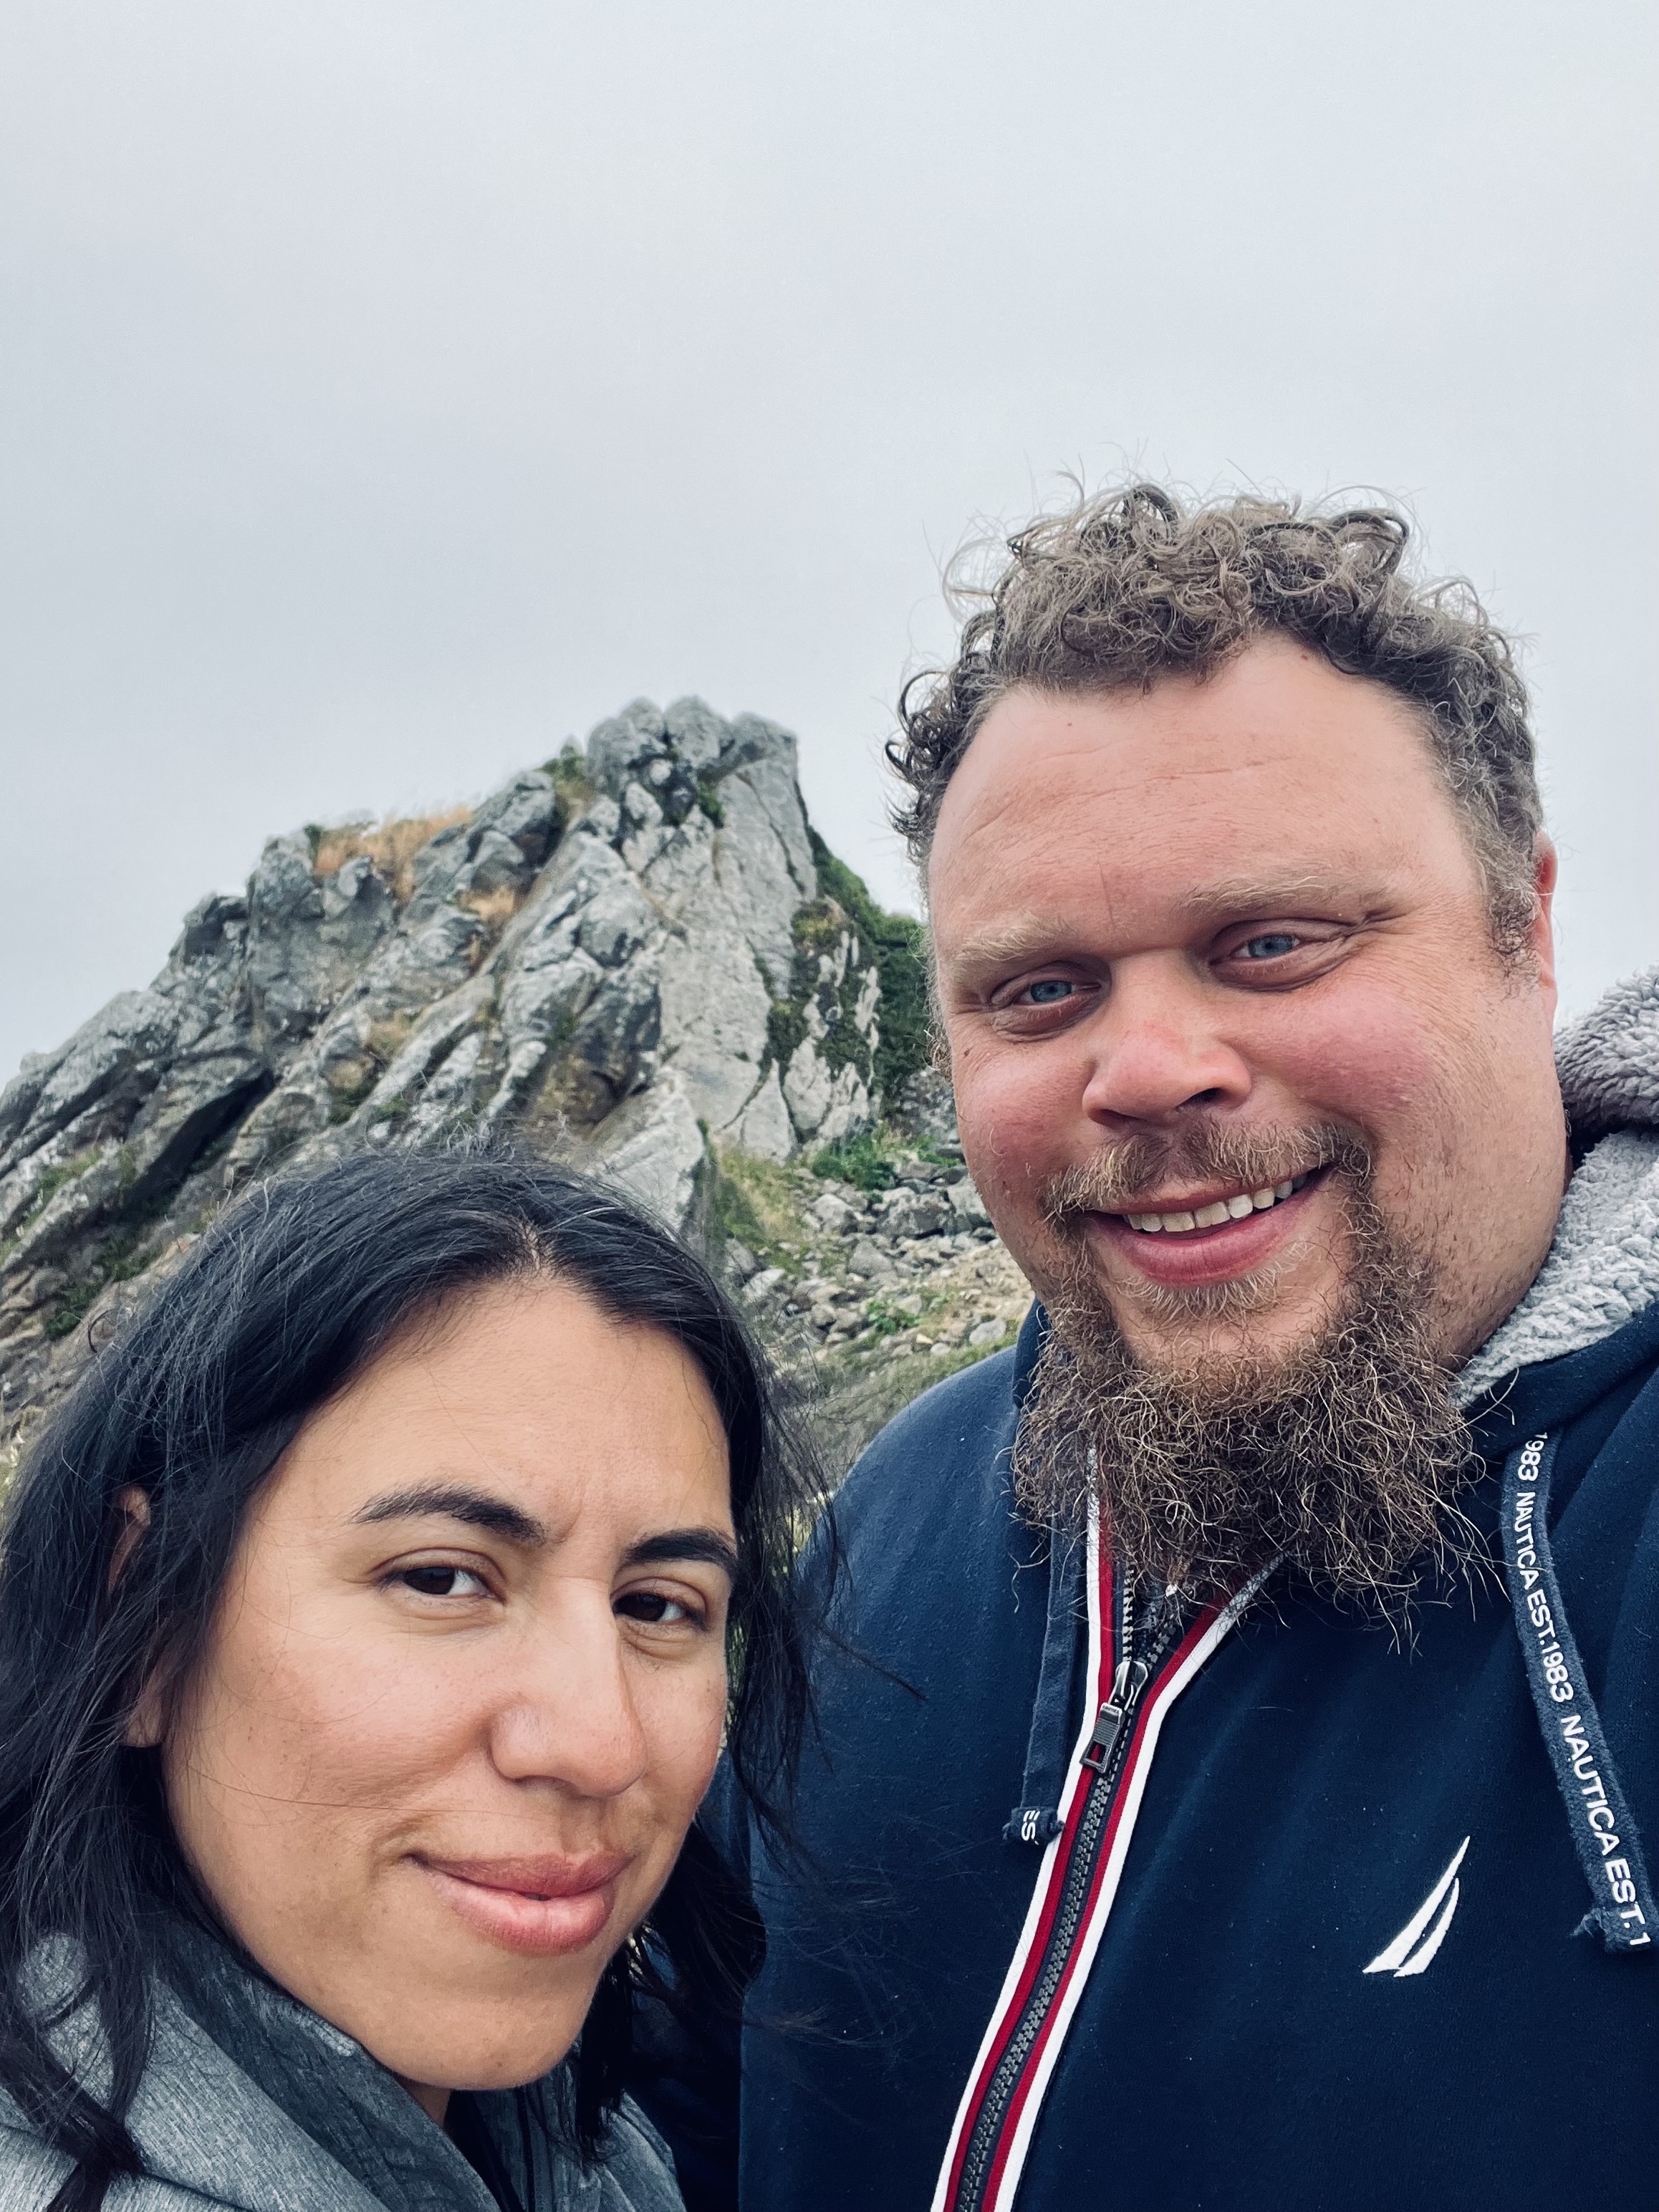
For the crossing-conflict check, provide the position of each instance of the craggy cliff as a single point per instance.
(638, 956)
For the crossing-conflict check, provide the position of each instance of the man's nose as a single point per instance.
(1159, 1046)
(569, 1715)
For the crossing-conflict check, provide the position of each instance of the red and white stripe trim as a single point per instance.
(1025, 2103)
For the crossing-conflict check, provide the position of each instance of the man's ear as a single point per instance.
(1540, 937)
(144, 1728)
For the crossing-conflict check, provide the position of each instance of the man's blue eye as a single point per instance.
(1049, 991)
(1272, 947)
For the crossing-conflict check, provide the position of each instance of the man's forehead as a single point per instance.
(1277, 712)
(1274, 788)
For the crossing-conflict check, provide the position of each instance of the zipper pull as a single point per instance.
(1126, 1686)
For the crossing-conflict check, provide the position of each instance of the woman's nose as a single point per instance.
(570, 1715)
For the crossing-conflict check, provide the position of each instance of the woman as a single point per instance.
(364, 1624)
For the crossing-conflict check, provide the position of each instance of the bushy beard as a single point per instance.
(1343, 1456)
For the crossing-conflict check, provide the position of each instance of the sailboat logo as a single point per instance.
(1412, 1949)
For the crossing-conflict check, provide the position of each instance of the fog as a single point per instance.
(388, 392)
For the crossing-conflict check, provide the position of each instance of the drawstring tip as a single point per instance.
(1032, 1824)
(1614, 1930)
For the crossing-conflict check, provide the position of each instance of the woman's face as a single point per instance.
(467, 1683)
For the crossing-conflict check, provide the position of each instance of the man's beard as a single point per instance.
(1343, 1456)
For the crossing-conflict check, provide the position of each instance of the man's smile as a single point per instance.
(1197, 1237)
(1183, 1216)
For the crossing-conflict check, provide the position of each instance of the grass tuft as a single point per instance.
(391, 846)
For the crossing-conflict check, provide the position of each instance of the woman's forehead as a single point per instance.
(530, 1389)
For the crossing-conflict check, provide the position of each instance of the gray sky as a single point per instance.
(388, 390)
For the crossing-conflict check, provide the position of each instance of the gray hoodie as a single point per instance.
(251, 2103)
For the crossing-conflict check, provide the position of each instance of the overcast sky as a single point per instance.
(388, 390)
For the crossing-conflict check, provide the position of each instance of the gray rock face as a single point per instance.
(627, 977)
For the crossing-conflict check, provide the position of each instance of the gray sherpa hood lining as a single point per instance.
(1603, 1266)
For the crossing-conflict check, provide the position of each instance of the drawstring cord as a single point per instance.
(1603, 1832)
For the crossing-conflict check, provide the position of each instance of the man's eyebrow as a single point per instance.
(706, 1544)
(455, 1501)
(1015, 941)
(1247, 896)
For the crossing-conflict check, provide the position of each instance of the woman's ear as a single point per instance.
(133, 1511)
(144, 1728)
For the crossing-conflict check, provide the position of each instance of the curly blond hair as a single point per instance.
(1131, 585)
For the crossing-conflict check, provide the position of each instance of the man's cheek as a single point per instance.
(1014, 1122)
(1366, 1074)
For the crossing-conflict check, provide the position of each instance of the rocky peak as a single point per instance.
(638, 955)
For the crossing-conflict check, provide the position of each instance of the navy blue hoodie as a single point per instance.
(1322, 1950)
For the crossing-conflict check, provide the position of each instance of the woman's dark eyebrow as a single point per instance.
(455, 1501)
(705, 1544)
(479, 1509)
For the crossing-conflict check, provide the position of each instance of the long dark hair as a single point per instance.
(280, 1306)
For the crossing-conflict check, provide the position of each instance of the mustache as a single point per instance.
(1134, 1167)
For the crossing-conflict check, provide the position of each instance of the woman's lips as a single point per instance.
(1198, 1256)
(541, 1908)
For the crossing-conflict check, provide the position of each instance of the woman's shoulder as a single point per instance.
(31, 2175)
(249, 2148)
(31, 2170)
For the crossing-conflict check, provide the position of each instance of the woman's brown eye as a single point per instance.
(653, 1607)
(441, 1581)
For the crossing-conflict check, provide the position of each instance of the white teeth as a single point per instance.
(1218, 1211)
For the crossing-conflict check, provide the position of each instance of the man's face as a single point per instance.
(1238, 920)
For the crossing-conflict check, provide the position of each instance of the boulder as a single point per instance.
(916, 1213)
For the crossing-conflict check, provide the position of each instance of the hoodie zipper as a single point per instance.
(1103, 1756)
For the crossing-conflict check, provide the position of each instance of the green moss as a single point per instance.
(569, 770)
(54, 1179)
(72, 1308)
(786, 1029)
(758, 1202)
(345, 1099)
(818, 930)
(120, 1258)
(709, 799)
(899, 945)
(819, 927)
(49, 1186)
(866, 1161)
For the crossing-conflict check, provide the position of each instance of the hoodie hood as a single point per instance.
(1603, 1267)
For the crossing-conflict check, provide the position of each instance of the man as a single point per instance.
(1235, 1791)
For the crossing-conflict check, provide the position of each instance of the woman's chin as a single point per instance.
(481, 2046)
